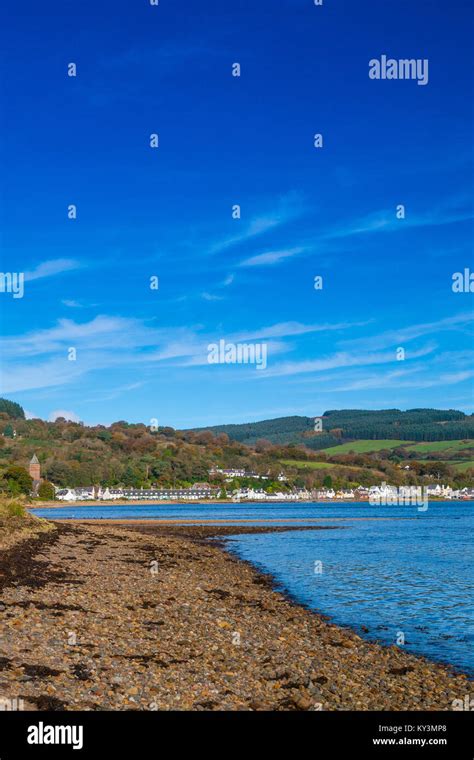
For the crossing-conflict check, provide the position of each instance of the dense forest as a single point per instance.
(339, 426)
(125, 454)
(11, 409)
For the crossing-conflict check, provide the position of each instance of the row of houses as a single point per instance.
(297, 494)
(446, 492)
(385, 490)
(205, 492)
(361, 493)
(92, 493)
(437, 491)
(242, 473)
(302, 494)
(259, 494)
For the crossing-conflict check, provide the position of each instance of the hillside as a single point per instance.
(341, 426)
(11, 409)
(134, 455)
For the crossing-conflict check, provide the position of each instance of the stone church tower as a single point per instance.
(35, 469)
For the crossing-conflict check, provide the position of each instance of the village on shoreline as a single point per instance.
(227, 492)
(383, 494)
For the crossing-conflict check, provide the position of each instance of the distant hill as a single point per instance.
(341, 426)
(11, 409)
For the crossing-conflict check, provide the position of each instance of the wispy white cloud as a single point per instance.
(71, 304)
(273, 347)
(291, 329)
(256, 227)
(452, 211)
(271, 257)
(51, 268)
(114, 393)
(403, 335)
(39, 359)
(386, 220)
(338, 360)
(28, 375)
(396, 380)
(101, 332)
(211, 296)
(208, 296)
(288, 207)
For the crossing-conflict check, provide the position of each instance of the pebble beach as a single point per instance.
(164, 617)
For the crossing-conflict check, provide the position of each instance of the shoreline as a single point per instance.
(168, 640)
(176, 502)
(218, 502)
(210, 522)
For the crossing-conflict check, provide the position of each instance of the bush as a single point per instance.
(12, 508)
(17, 480)
(46, 490)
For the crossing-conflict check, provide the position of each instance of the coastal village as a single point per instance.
(383, 493)
(205, 493)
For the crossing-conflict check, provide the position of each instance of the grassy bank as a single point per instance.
(17, 524)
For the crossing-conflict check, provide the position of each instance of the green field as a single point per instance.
(462, 466)
(366, 446)
(441, 446)
(307, 465)
(302, 465)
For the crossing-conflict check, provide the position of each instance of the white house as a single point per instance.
(66, 494)
(76, 494)
(110, 494)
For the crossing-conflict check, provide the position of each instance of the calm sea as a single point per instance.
(407, 578)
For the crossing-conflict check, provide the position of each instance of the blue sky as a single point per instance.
(141, 354)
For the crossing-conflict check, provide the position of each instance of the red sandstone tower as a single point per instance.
(35, 469)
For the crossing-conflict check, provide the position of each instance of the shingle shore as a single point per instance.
(103, 617)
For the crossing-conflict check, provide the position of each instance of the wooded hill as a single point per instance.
(341, 426)
(125, 454)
